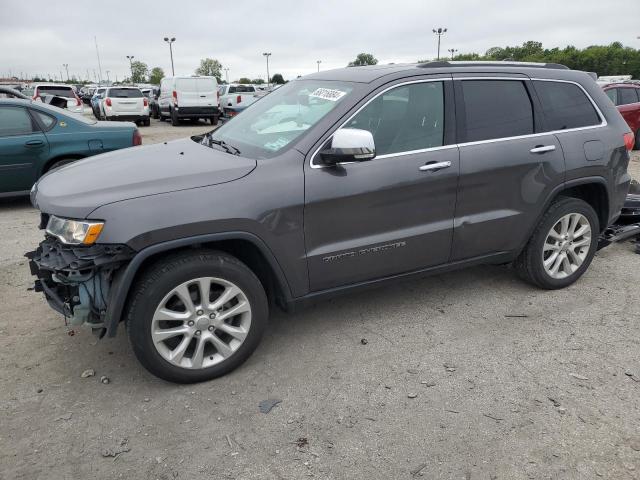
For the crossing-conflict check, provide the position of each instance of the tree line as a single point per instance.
(612, 59)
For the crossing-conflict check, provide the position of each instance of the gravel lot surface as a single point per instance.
(468, 375)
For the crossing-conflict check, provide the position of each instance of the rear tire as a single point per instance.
(156, 308)
(551, 244)
(155, 113)
(147, 121)
(174, 119)
(214, 120)
(636, 146)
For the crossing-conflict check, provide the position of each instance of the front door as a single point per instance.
(393, 214)
(22, 149)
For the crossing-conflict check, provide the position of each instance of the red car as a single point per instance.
(626, 96)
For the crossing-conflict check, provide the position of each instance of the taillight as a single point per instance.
(137, 138)
(239, 99)
(629, 141)
(107, 102)
(175, 97)
(78, 101)
(145, 102)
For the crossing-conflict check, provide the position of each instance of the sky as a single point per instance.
(40, 39)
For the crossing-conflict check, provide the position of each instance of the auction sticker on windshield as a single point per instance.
(328, 94)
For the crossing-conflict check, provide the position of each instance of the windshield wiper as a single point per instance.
(221, 143)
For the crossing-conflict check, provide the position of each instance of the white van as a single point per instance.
(189, 97)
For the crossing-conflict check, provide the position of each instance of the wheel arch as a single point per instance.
(592, 190)
(247, 247)
(71, 156)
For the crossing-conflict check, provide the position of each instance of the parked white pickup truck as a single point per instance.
(235, 97)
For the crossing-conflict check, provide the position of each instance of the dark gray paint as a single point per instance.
(151, 195)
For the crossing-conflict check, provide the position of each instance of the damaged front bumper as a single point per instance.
(76, 280)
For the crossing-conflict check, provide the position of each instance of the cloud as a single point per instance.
(297, 33)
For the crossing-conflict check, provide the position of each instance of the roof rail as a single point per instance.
(440, 64)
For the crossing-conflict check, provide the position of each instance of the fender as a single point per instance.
(553, 194)
(124, 278)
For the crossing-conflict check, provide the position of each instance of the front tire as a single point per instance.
(195, 316)
(562, 245)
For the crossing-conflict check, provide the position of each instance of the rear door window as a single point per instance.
(496, 109)
(565, 105)
(186, 85)
(627, 96)
(15, 121)
(125, 93)
(205, 85)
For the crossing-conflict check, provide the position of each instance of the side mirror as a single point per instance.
(349, 145)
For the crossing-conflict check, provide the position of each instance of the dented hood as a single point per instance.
(76, 190)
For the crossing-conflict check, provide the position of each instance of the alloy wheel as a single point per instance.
(566, 246)
(201, 322)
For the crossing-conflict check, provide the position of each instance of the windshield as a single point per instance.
(273, 122)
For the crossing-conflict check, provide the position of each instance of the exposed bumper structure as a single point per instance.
(75, 280)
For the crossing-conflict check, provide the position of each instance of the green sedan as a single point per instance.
(36, 137)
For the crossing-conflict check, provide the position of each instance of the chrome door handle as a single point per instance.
(543, 149)
(435, 166)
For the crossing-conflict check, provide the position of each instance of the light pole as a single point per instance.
(439, 32)
(267, 54)
(226, 74)
(108, 81)
(66, 66)
(452, 51)
(131, 57)
(170, 42)
(318, 62)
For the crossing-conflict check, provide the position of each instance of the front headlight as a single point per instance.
(74, 232)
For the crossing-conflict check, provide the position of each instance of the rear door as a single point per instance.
(23, 147)
(207, 92)
(187, 90)
(393, 214)
(126, 101)
(507, 166)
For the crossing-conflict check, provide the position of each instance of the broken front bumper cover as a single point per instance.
(76, 280)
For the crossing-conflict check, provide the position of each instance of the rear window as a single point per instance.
(496, 109)
(565, 105)
(627, 96)
(58, 91)
(241, 89)
(124, 93)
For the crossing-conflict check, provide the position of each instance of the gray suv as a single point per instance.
(340, 180)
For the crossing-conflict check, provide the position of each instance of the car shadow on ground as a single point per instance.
(20, 201)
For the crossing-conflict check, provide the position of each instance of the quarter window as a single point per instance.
(627, 96)
(496, 109)
(14, 121)
(565, 105)
(47, 120)
(406, 118)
